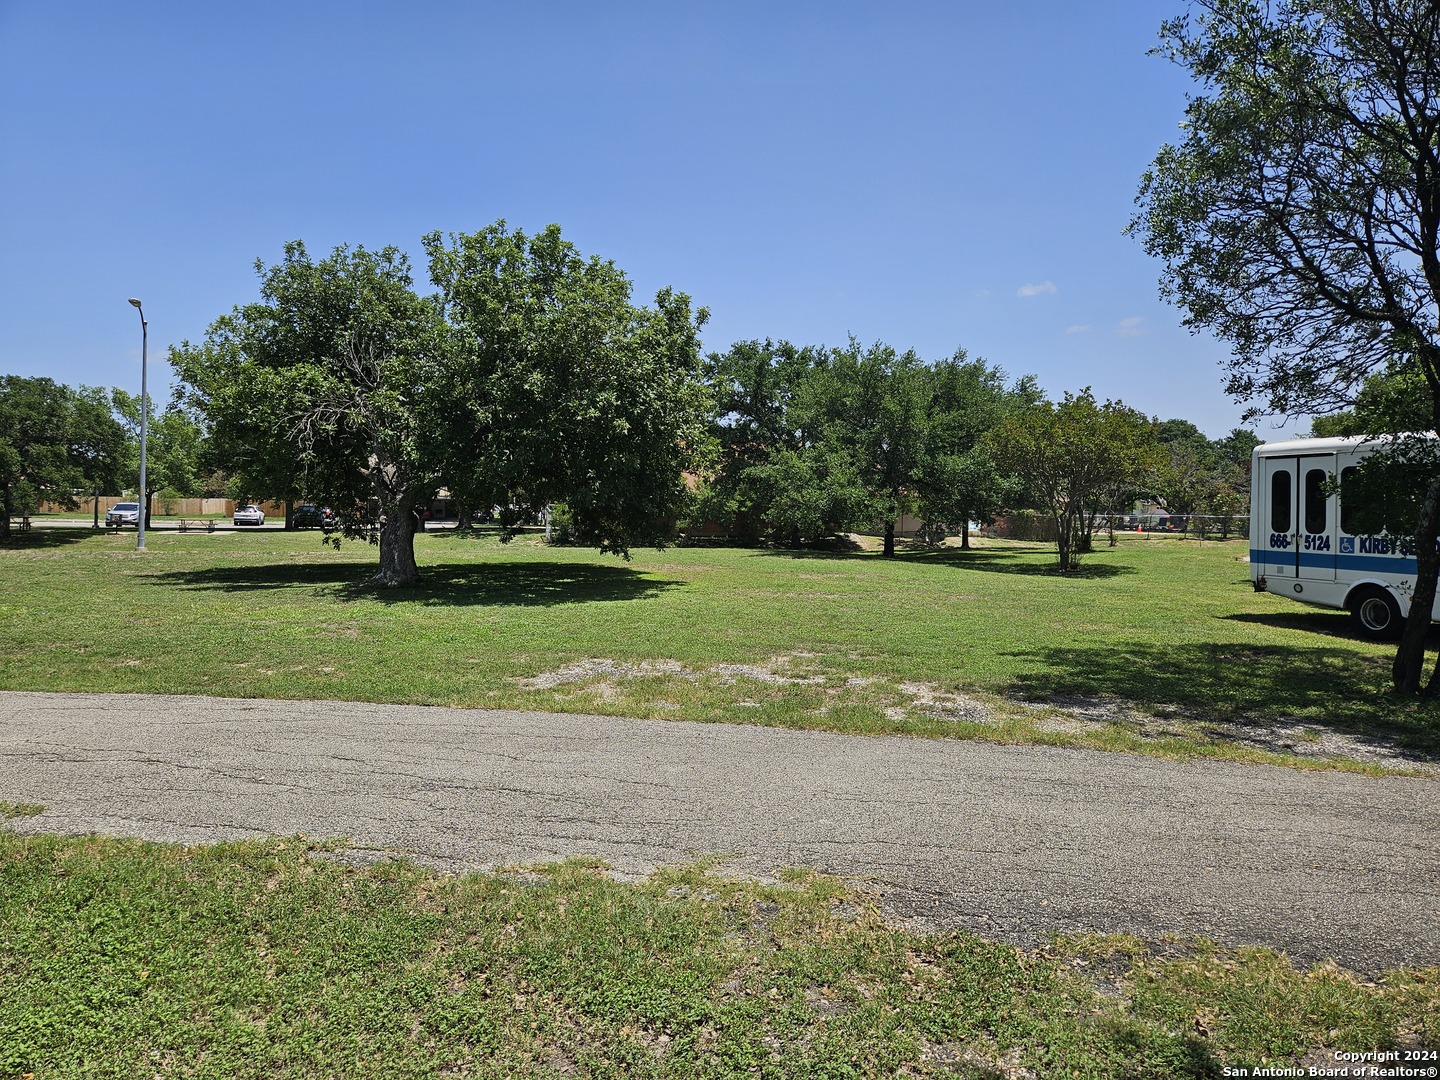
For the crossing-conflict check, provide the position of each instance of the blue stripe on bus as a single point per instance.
(1325, 560)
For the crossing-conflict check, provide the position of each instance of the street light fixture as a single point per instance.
(144, 419)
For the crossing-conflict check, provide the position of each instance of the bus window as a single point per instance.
(1315, 500)
(1347, 516)
(1280, 501)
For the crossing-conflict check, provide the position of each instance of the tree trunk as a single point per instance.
(794, 537)
(1409, 664)
(395, 491)
(1065, 539)
(289, 516)
(95, 524)
(965, 534)
(889, 539)
(397, 550)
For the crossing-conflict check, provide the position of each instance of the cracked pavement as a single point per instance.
(1012, 842)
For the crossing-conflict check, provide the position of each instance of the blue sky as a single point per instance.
(932, 175)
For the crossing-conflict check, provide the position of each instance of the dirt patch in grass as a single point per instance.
(1089, 713)
(774, 671)
(1313, 740)
(942, 704)
(599, 668)
(1090, 717)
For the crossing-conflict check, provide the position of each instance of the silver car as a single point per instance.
(249, 515)
(126, 513)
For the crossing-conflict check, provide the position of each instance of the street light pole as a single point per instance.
(144, 420)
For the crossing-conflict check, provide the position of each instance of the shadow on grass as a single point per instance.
(1039, 562)
(48, 538)
(1335, 624)
(1238, 684)
(811, 553)
(537, 584)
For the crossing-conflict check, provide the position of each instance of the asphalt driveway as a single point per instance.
(1011, 842)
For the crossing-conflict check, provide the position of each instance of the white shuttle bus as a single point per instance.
(1303, 545)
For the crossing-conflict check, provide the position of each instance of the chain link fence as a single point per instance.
(1029, 525)
(1196, 526)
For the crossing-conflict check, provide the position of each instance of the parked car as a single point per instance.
(310, 516)
(123, 514)
(249, 515)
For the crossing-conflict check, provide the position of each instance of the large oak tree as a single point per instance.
(328, 376)
(529, 379)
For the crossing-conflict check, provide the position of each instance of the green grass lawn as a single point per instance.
(266, 959)
(121, 958)
(1157, 646)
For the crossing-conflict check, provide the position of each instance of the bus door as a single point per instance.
(1299, 518)
(1316, 518)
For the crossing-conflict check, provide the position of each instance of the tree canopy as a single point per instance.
(814, 440)
(556, 388)
(1298, 218)
(54, 441)
(869, 409)
(1074, 460)
(530, 378)
(329, 377)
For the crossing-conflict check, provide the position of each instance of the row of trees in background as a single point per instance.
(529, 378)
(298, 399)
(813, 441)
(55, 441)
(58, 443)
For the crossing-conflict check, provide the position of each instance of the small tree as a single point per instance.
(1071, 457)
(813, 493)
(956, 482)
(755, 387)
(871, 408)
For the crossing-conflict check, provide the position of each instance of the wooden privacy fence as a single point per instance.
(164, 507)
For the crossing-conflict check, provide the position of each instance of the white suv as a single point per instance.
(123, 514)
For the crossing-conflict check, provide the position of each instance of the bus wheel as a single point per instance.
(1375, 614)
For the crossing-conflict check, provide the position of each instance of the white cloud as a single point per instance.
(1134, 326)
(982, 292)
(1036, 290)
(1079, 328)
